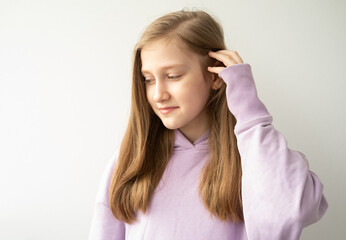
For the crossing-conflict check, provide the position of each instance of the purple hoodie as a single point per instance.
(280, 194)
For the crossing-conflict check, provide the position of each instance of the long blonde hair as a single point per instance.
(147, 144)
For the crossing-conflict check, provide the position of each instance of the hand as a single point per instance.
(227, 57)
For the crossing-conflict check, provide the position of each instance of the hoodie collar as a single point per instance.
(182, 143)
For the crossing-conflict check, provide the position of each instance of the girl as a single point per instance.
(200, 158)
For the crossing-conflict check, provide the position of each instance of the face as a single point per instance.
(177, 88)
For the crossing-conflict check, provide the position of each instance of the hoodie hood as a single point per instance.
(182, 143)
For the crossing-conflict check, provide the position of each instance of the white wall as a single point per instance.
(65, 97)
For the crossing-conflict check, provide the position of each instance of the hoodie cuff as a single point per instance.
(241, 93)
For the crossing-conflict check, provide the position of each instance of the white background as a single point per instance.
(65, 69)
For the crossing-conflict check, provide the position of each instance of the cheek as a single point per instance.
(149, 95)
(197, 93)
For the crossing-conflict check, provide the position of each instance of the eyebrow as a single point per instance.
(165, 67)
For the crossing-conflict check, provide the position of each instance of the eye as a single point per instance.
(149, 80)
(174, 76)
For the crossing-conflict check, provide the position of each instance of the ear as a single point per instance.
(217, 82)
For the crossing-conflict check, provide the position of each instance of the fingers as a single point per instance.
(233, 54)
(227, 57)
(215, 69)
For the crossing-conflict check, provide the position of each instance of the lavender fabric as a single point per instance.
(280, 194)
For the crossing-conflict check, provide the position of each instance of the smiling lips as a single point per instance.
(167, 110)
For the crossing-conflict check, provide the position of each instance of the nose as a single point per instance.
(161, 92)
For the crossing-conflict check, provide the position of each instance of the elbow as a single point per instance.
(313, 203)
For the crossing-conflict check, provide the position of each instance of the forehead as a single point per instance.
(162, 54)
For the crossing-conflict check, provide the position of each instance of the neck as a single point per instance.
(194, 129)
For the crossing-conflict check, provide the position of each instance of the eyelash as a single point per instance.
(174, 77)
(148, 81)
(171, 77)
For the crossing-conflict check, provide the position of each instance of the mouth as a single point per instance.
(167, 110)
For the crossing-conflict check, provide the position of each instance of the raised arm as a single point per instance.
(280, 194)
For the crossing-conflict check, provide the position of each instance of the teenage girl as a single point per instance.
(200, 158)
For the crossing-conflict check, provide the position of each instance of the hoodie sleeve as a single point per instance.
(280, 194)
(104, 225)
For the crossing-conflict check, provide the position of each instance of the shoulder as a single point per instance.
(106, 177)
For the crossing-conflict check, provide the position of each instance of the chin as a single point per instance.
(171, 126)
